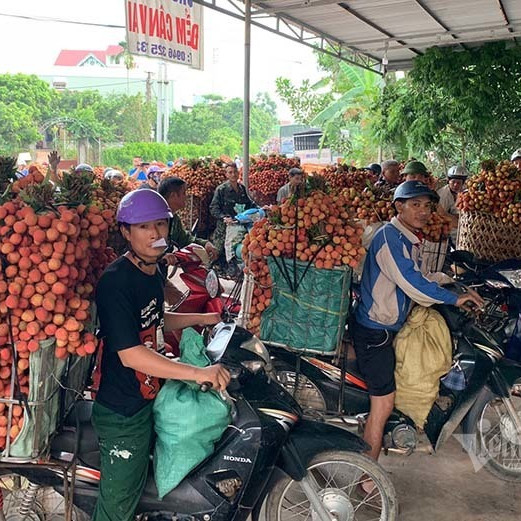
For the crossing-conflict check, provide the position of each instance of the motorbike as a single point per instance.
(235, 233)
(481, 395)
(270, 458)
(204, 293)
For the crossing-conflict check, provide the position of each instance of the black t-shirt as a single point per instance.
(130, 307)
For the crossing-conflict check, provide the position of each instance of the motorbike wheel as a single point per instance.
(497, 446)
(338, 476)
(303, 390)
(26, 501)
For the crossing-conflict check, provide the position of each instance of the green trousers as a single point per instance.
(125, 444)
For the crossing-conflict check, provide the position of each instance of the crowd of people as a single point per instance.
(131, 293)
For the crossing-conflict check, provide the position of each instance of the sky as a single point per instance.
(36, 44)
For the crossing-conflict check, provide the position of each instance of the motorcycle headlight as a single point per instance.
(255, 346)
(513, 276)
(212, 284)
(253, 365)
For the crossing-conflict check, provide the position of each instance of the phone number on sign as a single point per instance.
(155, 49)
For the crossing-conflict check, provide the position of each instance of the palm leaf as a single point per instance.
(338, 107)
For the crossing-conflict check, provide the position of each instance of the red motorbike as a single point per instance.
(205, 292)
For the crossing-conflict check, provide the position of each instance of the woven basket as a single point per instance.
(487, 237)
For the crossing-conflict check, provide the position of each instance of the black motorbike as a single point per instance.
(481, 395)
(269, 458)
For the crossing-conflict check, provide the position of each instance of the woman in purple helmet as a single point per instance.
(129, 299)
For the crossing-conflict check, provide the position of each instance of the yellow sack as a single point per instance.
(423, 354)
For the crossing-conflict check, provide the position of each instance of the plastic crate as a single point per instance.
(309, 308)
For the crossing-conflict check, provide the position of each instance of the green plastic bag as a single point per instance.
(187, 421)
(313, 316)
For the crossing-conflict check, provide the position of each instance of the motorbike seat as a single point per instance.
(467, 260)
(77, 428)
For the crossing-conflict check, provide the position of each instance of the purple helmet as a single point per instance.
(141, 206)
(154, 169)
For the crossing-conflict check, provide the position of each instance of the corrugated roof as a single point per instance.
(399, 30)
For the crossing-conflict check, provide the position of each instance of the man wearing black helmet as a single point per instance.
(375, 168)
(391, 283)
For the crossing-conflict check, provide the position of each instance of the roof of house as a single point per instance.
(72, 58)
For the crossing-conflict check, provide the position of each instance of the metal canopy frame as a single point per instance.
(292, 29)
(374, 34)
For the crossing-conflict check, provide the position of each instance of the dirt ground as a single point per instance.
(445, 487)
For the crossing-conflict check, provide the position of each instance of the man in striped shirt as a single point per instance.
(391, 283)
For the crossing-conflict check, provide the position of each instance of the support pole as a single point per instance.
(166, 107)
(159, 116)
(246, 104)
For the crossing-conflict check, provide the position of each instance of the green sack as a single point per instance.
(187, 421)
(313, 317)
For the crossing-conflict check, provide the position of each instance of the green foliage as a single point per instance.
(304, 102)
(461, 105)
(220, 123)
(24, 103)
(341, 111)
(117, 117)
(122, 156)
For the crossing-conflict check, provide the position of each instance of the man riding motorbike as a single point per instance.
(130, 304)
(391, 282)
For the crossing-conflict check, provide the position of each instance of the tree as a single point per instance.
(462, 105)
(128, 59)
(221, 121)
(338, 104)
(304, 102)
(117, 117)
(25, 101)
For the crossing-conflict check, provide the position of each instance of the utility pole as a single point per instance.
(148, 89)
(160, 106)
(166, 106)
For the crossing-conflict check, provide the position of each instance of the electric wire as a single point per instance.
(59, 20)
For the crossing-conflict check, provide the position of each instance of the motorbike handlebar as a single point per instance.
(205, 387)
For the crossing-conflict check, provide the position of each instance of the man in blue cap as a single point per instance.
(391, 283)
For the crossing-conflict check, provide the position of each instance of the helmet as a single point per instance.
(412, 189)
(374, 167)
(83, 167)
(111, 173)
(141, 206)
(170, 164)
(457, 172)
(153, 172)
(516, 155)
(415, 167)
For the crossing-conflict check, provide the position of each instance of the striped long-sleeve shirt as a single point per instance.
(392, 280)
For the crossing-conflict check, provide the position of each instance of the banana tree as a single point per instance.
(355, 90)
